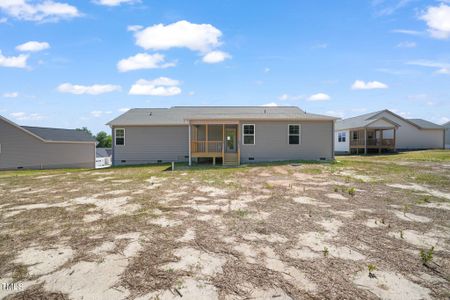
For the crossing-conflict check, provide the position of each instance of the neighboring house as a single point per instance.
(227, 134)
(447, 134)
(103, 157)
(44, 148)
(386, 131)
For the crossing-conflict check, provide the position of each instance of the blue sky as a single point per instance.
(82, 63)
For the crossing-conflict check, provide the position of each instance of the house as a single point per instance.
(447, 134)
(103, 157)
(386, 131)
(26, 147)
(220, 134)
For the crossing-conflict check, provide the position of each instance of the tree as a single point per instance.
(84, 128)
(104, 140)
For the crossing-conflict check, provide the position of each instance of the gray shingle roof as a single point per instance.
(179, 115)
(362, 121)
(424, 124)
(60, 135)
(103, 152)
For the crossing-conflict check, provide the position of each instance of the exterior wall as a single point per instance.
(380, 124)
(271, 141)
(410, 137)
(20, 149)
(342, 147)
(447, 136)
(151, 144)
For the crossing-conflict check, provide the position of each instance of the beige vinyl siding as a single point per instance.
(21, 149)
(150, 144)
(272, 141)
(409, 136)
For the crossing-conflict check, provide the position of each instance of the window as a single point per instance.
(342, 136)
(249, 134)
(119, 136)
(355, 135)
(294, 134)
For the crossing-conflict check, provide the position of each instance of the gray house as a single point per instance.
(447, 134)
(386, 131)
(44, 148)
(224, 134)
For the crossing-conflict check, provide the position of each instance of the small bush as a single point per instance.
(325, 251)
(351, 191)
(371, 269)
(426, 256)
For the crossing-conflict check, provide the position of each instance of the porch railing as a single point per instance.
(373, 142)
(205, 147)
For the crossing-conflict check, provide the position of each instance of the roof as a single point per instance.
(362, 121)
(59, 134)
(180, 115)
(446, 125)
(424, 124)
(103, 152)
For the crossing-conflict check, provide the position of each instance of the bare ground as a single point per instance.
(283, 231)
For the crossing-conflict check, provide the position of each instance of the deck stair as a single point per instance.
(230, 159)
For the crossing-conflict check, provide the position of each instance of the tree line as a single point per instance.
(104, 140)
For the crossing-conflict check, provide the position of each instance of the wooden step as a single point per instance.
(230, 159)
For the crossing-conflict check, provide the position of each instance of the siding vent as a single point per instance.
(19, 167)
(186, 156)
(159, 161)
(123, 161)
(251, 158)
(323, 158)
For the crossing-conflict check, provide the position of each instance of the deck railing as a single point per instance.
(373, 142)
(205, 147)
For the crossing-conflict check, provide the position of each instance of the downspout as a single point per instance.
(113, 147)
(332, 139)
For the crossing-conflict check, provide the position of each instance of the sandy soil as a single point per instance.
(304, 231)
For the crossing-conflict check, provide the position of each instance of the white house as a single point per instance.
(386, 131)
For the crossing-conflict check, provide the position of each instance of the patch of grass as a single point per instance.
(426, 256)
(351, 191)
(325, 252)
(432, 179)
(312, 171)
(20, 273)
(242, 213)
(371, 269)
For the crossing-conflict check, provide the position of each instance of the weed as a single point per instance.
(426, 256)
(325, 251)
(405, 209)
(241, 213)
(401, 234)
(351, 191)
(20, 273)
(382, 221)
(371, 269)
(336, 189)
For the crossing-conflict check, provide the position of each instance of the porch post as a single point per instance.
(223, 143)
(395, 142)
(365, 140)
(206, 138)
(190, 145)
(381, 141)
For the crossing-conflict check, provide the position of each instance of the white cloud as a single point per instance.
(143, 61)
(370, 85)
(319, 46)
(406, 45)
(99, 113)
(285, 97)
(270, 104)
(407, 32)
(319, 97)
(11, 95)
(266, 70)
(123, 109)
(135, 27)
(214, 57)
(19, 61)
(182, 34)
(441, 68)
(40, 11)
(438, 21)
(22, 116)
(161, 86)
(95, 89)
(33, 46)
(114, 2)
(3, 20)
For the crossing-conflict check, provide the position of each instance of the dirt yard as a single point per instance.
(276, 231)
